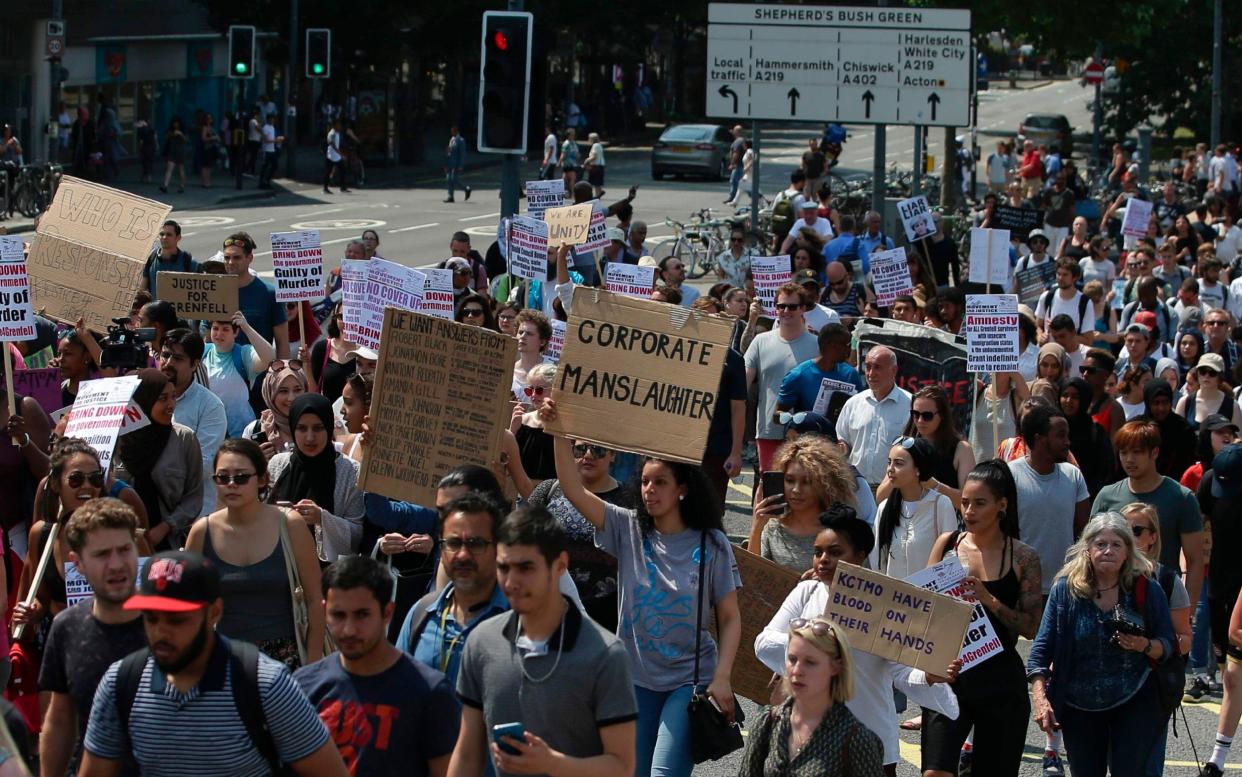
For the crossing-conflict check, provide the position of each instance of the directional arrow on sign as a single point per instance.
(933, 99)
(793, 101)
(725, 91)
(868, 98)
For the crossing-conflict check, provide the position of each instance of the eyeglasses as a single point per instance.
(236, 479)
(1139, 531)
(842, 282)
(475, 545)
(598, 451)
(923, 415)
(1207, 372)
(76, 478)
(818, 626)
(1216, 323)
(536, 391)
(787, 418)
(471, 312)
(789, 306)
(462, 271)
(737, 240)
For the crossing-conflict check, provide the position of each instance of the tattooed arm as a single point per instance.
(1025, 618)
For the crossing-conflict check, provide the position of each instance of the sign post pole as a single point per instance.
(8, 384)
(40, 571)
(994, 402)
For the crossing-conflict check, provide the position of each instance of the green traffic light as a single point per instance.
(317, 68)
(240, 67)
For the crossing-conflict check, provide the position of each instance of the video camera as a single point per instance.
(125, 348)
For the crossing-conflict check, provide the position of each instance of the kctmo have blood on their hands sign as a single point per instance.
(639, 375)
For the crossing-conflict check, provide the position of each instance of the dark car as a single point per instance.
(1048, 129)
(693, 149)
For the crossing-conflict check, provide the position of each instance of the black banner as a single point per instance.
(1019, 221)
(925, 357)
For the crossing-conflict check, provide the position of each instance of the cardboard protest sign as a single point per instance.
(552, 354)
(770, 273)
(597, 232)
(991, 326)
(629, 279)
(389, 285)
(989, 256)
(925, 357)
(764, 588)
(916, 217)
(541, 195)
(99, 411)
(1019, 221)
(297, 265)
(441, 399)
(1138, 216)
(89, 250)
(568, 224)
(438, 294)
(78, 589)
(353, 295)
(898, 621)
(949, 578)
(16, 313)
(42, 384)
(1033, 280)
(890, 274)
(528, 248)
(639, 375)
(203, 296)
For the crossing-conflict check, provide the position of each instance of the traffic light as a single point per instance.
(504, 81)
(241, 51)
(318, 52)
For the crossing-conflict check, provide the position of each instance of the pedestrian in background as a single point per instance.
(454, 163)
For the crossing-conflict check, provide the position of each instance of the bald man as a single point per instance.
(872, 420)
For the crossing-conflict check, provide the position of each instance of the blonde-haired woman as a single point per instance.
(813, 733)
(1090, 664)
(534, 444)
(816, 476)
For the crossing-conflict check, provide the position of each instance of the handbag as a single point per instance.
(712, 736)
(1170, 673)
(301, 612)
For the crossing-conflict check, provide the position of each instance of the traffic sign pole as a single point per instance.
(754, 176)
(916, 186)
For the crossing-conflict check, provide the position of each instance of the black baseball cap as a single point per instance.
(1215, 422)
(1227, 473)
(176, 581)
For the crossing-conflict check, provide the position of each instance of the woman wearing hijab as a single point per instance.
(1089, 443)
(1053, 363)
(163, 462)
(317, 483)
(282, 384)
(1177, 439)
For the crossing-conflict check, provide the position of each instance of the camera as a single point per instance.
(125, 348)
(1120, 622)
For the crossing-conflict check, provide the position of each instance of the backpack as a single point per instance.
(782, 218)
(244, 660)
(851, 255)
(1170, 672)
(146, 270)
(423, 609)
(1045, 301)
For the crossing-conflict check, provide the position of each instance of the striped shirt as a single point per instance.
(171, 733)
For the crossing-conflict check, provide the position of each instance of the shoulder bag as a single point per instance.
(301, 612)
(1170, 671)
(712, 736)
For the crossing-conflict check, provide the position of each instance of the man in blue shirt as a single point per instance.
(167, 258)
(814, 384)
(873, 239)
(256, 299)
(454, 163)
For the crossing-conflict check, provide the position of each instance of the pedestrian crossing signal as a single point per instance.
(241, 51)
(504, 81)
(318, 52)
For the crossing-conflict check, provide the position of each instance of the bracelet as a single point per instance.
(1147, 649)
(25, 442)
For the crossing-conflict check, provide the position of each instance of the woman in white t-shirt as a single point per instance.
(231, 368)
(912, 516)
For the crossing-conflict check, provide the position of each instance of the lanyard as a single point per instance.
(446, 653)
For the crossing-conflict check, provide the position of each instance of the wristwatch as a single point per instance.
(1147, 649)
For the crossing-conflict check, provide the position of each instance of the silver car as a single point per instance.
(694, 149)
(1048, 129)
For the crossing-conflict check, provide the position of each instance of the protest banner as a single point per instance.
(568, 224)
(764, 588)
(891, 276)
(650, 369)
(991, 326)
(99, 411)
(16, 312)
(441, 399)
(1019, 221)
(916, 217)
(898, 621)
(297, 265)
(42, 384)
(78, 589)
(353, 296)
(438, 294)
(949, 578)
(1138, 216)
(629, 279)
(528, 248)
(89, 250)
(832, 396)
(552, 354)
(597, 231)
(989, 257)
(925, 357)
(1033, 280)
(541, 195)
(202, 296)
(389, 285)
(770, 273)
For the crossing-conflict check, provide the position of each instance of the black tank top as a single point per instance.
(1004, 672)
(1225, 409)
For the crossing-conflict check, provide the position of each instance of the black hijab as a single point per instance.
(310, 477)
(1177, 439)
(1088, 440)
(140, 449)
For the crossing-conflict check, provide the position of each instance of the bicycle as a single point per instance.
(35, 187)
(698, 243)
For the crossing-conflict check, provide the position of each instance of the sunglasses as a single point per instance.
(737, 240)
(76, 478)
(462, 271)
(536, 391)
(1088, 370)
(923, 415)
(905, 442)
(818, 626)
(1216, 323)
(472, 312)
(787, 418)
(598, 451)
(1207, 372)
(790, 306)
(475, 545)
(236, 479)
(244, 245)
(1139, 531)
(278, 365)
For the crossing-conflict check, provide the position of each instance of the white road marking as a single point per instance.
(251, 224)
(480, 218)
(411, 229)
(318, 212)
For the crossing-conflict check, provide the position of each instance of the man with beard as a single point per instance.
(180, 355)
(388, 713)
(191, 701)
(88, 637)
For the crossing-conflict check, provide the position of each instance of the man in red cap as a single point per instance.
(196, 701)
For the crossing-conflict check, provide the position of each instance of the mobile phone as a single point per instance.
(773, 484)
(515, 730)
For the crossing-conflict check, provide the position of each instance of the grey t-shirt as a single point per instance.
(658, 581)
(771, 358)
(589, 689)
(1046, 505)
(783, 547)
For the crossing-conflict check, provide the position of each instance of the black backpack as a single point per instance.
(1045, 301)
(422, 609)
(244, 661)
(852, 254)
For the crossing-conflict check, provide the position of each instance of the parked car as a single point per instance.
(694, 149)
(1048, 129)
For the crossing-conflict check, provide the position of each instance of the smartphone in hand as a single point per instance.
(515, 730)
(773, 484)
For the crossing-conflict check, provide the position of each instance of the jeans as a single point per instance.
(453, 179)
(664, 732)
(1202, 660)
(1117, 740)
(1155, 761)
(269, 168)
(735, 180)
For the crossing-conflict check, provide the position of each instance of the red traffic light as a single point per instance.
(500, 40)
